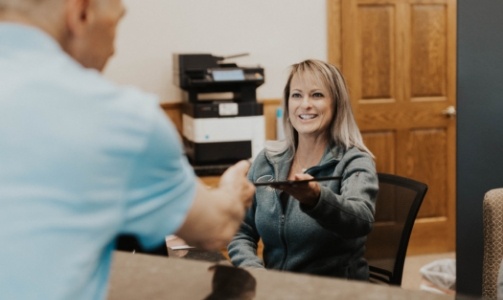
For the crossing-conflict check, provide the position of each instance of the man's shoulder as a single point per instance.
(90, 86)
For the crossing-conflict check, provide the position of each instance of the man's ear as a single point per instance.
(78, 16)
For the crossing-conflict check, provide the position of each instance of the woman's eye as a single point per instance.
(296, 95)
(318, 95)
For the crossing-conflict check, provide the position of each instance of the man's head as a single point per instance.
(85, 29)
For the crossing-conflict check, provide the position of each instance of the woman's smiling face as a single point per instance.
(309, 105)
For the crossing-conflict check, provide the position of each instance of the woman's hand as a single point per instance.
(307, 193)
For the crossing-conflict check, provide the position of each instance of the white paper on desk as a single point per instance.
(181, 247)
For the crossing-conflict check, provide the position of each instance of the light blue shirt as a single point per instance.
(81, 160)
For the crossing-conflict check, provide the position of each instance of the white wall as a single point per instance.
(276, 34)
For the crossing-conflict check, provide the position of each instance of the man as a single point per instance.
(83, 160)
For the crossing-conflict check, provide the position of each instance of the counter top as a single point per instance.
(140, 276)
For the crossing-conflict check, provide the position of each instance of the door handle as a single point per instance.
(449, 112)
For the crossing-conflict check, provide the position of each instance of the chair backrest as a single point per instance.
(492, 213)
(398, 203)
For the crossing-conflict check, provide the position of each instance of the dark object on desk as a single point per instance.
(231, 283)
(129, 243)
(398, 202)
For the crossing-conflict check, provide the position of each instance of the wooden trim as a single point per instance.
(270, 106)
(334, 32)
(173, 111)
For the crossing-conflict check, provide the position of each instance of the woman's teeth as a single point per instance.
(304, 117)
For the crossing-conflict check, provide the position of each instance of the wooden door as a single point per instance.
(398, 57)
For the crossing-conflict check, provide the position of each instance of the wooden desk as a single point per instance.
(138, 276)
(211, 181)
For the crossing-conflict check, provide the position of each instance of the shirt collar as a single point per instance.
(16, 35)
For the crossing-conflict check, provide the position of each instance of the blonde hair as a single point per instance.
(343, 130)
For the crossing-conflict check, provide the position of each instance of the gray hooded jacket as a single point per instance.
(328, 239)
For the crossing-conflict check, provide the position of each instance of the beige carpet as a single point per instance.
(412, 277)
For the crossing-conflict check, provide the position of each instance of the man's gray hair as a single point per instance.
(27, 7)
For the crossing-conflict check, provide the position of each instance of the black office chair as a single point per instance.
(397, 205)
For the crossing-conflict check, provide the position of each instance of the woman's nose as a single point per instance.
(306, 101)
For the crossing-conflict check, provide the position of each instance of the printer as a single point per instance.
(218, 130)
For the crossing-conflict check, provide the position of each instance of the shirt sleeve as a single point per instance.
(162, 186)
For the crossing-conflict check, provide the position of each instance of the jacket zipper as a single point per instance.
(283, 210)
(282, 232)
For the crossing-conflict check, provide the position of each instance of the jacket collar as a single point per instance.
(282, 161)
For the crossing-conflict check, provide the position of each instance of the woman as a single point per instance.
(316, 227)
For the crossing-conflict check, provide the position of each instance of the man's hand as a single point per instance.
(234, 179)
(217, 214)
